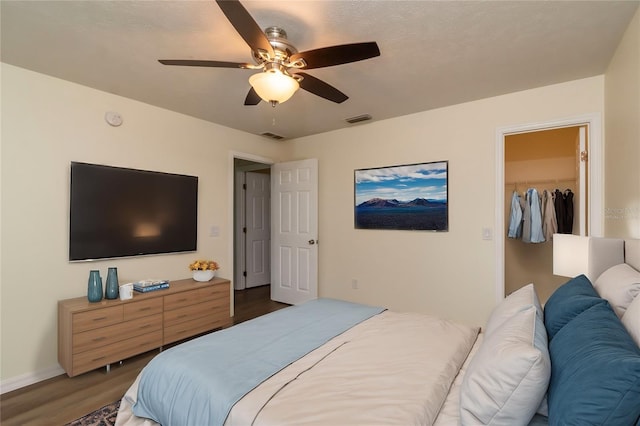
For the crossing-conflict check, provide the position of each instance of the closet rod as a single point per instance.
(540, 182)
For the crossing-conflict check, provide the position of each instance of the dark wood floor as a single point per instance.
(61, 399)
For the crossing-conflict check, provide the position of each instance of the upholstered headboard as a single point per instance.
(632, 253)
(607, 252)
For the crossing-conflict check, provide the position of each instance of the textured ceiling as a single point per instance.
(433, 53)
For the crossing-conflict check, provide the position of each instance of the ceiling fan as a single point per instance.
(280, 62)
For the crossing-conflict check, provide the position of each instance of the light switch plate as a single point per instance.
(487, 234)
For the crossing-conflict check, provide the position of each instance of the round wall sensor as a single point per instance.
(113, 118)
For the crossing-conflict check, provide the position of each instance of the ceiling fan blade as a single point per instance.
(197, 63)
(322, 89)
(252, 98)
(246, 26)
(336, 55)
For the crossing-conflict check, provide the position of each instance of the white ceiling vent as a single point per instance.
(358, 118)
(272, 136)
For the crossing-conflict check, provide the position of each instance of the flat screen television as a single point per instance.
(119, 212)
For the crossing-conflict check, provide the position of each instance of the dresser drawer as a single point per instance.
(143, 308)
(214, 292)
(186, 313)
(179, 300)
(97, 318)
(189, 328)
(112, 334)
(100, 357)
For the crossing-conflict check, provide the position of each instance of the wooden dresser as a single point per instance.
(93, 335)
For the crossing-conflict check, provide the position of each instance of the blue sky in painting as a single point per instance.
(403, 183)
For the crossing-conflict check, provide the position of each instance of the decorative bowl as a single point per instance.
(204, 276)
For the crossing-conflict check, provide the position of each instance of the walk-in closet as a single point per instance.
(545, 180)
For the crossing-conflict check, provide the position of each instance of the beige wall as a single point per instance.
(622, 137)
(450, 274)
(46, 123)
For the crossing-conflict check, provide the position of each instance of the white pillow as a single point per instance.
(518, 301)
(631, 320)
(619, 284)
(508, 377)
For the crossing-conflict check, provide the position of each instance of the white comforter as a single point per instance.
(393, 369)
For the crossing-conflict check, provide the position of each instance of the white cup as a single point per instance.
(126, 291)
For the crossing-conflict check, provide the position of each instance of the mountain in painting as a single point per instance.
(383, 203)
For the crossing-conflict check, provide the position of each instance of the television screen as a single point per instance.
(119, 212)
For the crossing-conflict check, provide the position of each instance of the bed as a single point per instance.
(575, 361)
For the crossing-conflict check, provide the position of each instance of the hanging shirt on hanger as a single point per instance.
(558, 202)
(568, 211)
(549, 222)
(533, 199)
(526, 219)
(515, 219)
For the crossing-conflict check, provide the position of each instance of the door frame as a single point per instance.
(239, 217)
(231, 205)
(595, 187)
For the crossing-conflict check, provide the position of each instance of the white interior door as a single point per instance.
(294, 231)
(257, 205)
(582, 180)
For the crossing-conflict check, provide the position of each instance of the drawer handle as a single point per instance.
(100, 319)
(182, 316)
(145, 309)
(182, 300)
(145, 326)
(98, 359)
(98, 339)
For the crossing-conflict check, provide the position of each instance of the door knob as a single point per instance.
(312, 242)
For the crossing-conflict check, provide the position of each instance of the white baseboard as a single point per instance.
(29, 379)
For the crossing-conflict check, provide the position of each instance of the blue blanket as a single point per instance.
(198, 382)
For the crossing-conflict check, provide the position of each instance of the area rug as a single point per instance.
(105, 416)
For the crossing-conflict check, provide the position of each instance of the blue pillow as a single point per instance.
(595, 371)
(567, 302)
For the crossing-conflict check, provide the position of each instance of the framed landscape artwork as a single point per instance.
(409, 197)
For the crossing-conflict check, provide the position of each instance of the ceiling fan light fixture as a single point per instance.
(274, 86)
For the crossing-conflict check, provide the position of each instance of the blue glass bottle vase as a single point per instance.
(111, 291)
(94, 287)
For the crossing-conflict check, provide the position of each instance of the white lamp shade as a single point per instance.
(570, 255)
(274, 86)
(574, 255)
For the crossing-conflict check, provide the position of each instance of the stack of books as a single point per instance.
(145, 286)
